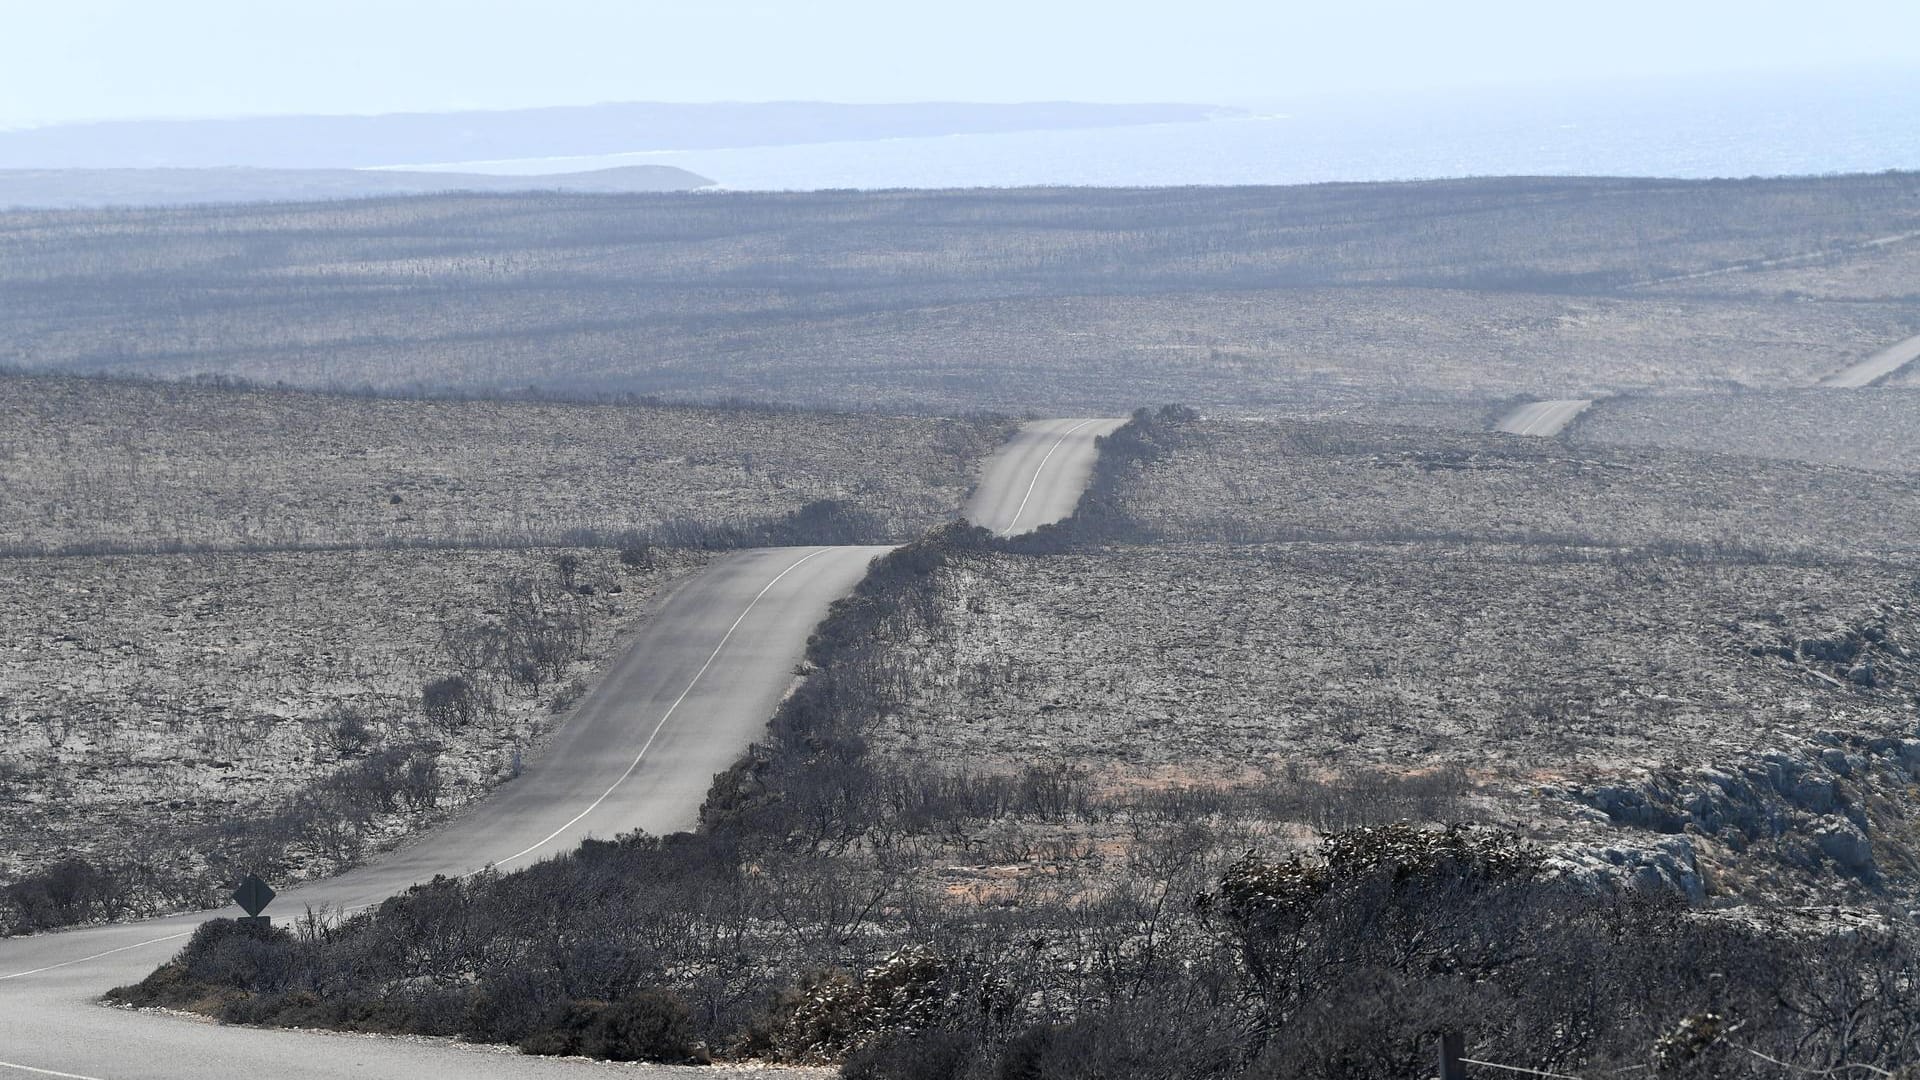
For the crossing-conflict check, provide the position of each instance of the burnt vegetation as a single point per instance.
(167, 543)
(1074, 298)
(943, 860)
(122, 466)
(146, 800)
(810, 919)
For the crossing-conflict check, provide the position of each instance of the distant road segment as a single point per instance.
(1550, 418)
(1037, 477)
(1782, 260)
(1876, 367)
(1545, 418)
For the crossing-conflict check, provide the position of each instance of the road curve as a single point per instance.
(1037, 477)
(697, 684)
(1876, 367)
(1545, 418)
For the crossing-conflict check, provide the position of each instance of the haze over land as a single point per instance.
(75, 188)
(1728, 126)
(765, 570)
(1307, 298)
(1737, 125)
(334, 142)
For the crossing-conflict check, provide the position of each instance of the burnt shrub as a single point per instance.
(240, 955)
(70, 891)
(420, 787)
(648, 1025)
(651, 1025)
(224, 960)
(505, 1007)
(564, 1031)
(928, 1055)
(1350, 961)
(347, 732)
(450, 703)
(823, 521)
(833, 1014)
(1145, 1037)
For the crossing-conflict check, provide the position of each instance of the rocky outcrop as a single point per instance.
(1867, 656)
(1667, 867)
(1829, 806)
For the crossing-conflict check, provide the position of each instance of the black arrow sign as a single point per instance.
(253, 895)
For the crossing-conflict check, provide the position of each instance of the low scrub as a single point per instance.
(115, 466)
(1246, 482)
(175, 722)
(812, 918)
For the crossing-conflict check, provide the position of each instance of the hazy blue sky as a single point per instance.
(86, 59)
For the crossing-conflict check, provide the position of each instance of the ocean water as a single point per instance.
(1752, 126)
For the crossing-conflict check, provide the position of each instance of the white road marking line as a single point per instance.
(1022, 508)
(45, 1072)
(664, 717)
(95, 956)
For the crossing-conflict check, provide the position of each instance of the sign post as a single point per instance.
(1453, 1047)
(253, 896)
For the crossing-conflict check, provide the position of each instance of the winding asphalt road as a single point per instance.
(695, 686)
(1037, 477)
